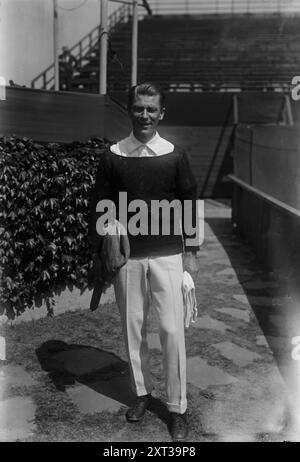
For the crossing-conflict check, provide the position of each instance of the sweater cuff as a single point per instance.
(192, 248)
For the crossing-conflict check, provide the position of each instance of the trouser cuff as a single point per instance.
(179, 408)
(143, 391)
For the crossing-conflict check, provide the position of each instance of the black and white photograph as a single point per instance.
(149, 223)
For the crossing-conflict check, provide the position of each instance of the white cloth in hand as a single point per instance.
(189, 299)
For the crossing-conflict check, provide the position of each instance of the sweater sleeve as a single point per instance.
(101, 190)
(186, 192)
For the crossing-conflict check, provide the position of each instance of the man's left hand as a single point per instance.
(191, 263)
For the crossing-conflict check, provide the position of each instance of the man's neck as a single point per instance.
(144, 139)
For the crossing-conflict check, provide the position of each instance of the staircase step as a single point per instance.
(186, 51)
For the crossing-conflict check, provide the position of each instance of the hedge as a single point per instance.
(44, 195)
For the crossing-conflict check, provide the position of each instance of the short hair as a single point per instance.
(148, 89)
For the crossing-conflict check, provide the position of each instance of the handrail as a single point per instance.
(265, 196)
(173, 7)
(85, 46)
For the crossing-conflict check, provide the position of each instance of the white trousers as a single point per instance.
(156, 281)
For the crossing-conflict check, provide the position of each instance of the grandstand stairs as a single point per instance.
(216, 52)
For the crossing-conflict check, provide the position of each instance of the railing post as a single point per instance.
(44, 81)
(235, 110)
(251, 156)
(103, 49)
(289, 112)
(55, 46)
(134, 45)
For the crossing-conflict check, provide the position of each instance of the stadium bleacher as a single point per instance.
(198, 53)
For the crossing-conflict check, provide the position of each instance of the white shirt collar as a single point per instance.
(130, 146)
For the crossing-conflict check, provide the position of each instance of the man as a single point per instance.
(146, 167)
(115, 69)
(67, 65)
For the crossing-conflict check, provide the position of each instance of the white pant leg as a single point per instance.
(165, 279)
(131, 290)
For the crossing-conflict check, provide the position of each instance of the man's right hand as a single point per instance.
(95, 272)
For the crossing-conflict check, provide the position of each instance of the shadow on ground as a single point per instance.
(102, 371)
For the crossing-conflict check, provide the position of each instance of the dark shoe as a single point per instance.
(178, 427)
(137, 412)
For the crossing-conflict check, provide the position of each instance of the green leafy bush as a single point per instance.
(44, 194)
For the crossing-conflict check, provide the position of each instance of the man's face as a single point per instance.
(145, 113)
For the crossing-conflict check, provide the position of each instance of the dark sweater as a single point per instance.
(167, 176)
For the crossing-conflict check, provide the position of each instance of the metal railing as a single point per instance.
(223, 6)
(82, 49)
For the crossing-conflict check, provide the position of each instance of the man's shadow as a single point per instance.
(102, 371)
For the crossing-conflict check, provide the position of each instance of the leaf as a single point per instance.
(70, 218)
(12, 215)
(31, 243)
(52, 202)
(45, 275)
(69, 240)
(9, 282)
(53, 247)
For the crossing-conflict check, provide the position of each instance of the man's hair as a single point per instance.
(148, 89)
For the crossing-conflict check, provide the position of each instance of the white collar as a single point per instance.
(128, 145)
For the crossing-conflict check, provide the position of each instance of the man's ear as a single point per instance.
(162, 113)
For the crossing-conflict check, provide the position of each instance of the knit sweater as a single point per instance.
(166, 177)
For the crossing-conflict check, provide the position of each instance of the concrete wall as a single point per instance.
(51, 116)
(26, 33)
(60, 116)
(273, 231)
(214, 108)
